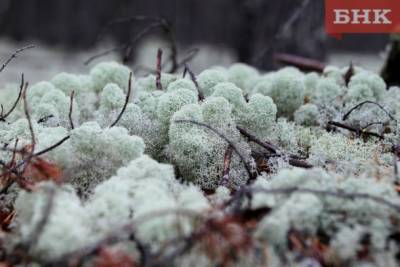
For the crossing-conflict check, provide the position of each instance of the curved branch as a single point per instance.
(226, 139)
(345, 116)
(21, 89)
(14, 55)
(126, 101)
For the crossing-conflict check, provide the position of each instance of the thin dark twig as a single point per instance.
(128, 95)
(125, 46)
(39, 153)
(159, 22)
(14, 55)
(371, 124)
(11, 163)
(158, 69)
(125, 20)
(396, 156)
(50, 148)
(14, 153)
(104, 53)
(293, 159)
(358, 131)
(349, 73)
(192, 53)
(71, 103)
(254, 139)
(194, 80)
(227, 166)
(299, 163)
(345, 116)
(44, 119)
(21, 88)
(28, 117)
(226, 139)
(396, 169)
(305, 64)
(283, 30)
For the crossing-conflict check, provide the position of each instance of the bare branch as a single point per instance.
(44, 119)
(21, 88)
(28, 117)
(345, 116)
(71, 103)
(50, 148)
(268, 146)
(125, 47)
(128, 95)
(283, 31)
(227, 166)
(14, 55)
(158, 22)
(104, 53)
(192, 53)
(349, 73)
(194, 80)
(305, 64)
(158, 69)
(293, 159)
(30, 157)
(226, 139)
(357, 131)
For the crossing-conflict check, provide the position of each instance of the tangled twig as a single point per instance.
(71, 103)
(226, 139)
(347, 114)
(158, 22)
(302, 63)
(194, 80)
(14, 55)
(227, 166)
(293, 159)
(128, 95)
(359, 132)
(158, 69)
(21, 89)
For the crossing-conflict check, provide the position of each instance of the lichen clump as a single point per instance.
(282, 168)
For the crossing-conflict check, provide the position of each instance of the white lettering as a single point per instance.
(360, 16)
(342, 16)
(380, 16)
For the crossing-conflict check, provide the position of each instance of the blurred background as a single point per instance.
(203, 33)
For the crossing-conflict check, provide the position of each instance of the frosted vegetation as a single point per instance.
(233, 167)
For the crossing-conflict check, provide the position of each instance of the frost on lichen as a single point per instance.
(67, 228)
(109, 72)
(286, 88)
(313, 210)
(168, 164)
(142, 188)
(210, 78)
(198, 152)
(99, 152)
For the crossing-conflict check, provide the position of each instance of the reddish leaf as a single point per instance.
(113, 258)
(41, 170)
(5, 220)
(224, 239)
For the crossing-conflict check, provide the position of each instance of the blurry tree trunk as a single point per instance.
(390, 72)
(246, 26)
